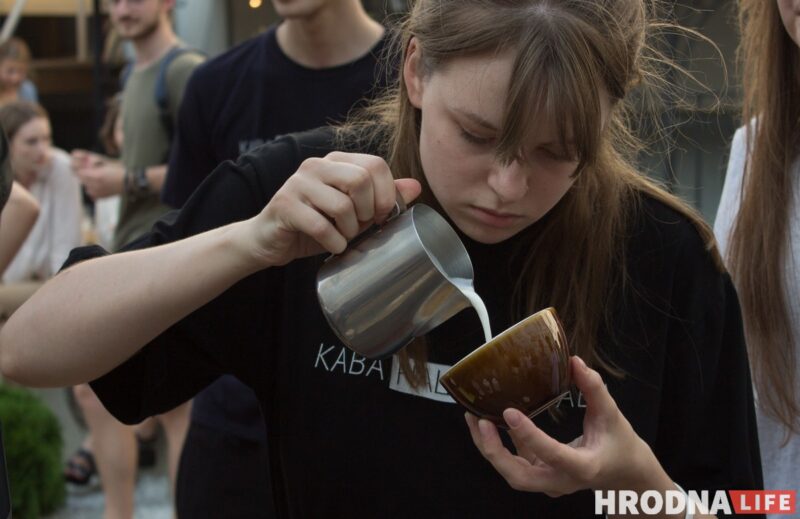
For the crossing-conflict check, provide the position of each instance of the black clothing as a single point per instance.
(230, 477)
(253, 93)
(347, 441)
(233, 103)
(6, 176)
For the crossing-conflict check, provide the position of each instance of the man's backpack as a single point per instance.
(161, 93)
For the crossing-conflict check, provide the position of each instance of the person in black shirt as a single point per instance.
(311, 69)
(507, 120)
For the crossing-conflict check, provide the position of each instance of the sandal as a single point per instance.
(80, 468)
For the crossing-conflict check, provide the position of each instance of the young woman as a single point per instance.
(15, 61)
(508, 119)
(758, 227)
(44, 171)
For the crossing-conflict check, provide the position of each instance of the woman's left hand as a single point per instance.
(609, 454)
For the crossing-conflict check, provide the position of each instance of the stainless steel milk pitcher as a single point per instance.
(395, 282)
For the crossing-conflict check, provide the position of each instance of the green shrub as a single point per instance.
(32, 438)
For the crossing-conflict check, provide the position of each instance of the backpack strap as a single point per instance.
(162, 88)
(127, 70)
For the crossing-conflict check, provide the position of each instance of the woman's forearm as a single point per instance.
(95, 315)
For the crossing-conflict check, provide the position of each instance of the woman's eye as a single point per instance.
(474, 139)
(557, 156)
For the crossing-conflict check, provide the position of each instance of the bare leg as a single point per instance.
(148, 429)
(114, 448)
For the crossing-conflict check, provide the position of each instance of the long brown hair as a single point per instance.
(107, 131)
(567, 53)
(759, 240)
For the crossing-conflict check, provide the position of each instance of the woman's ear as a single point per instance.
(412, 73)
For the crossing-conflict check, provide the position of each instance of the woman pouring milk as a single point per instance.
(509, 119)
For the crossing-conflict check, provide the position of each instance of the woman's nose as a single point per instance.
(509, 181)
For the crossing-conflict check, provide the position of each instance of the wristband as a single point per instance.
(136, 181)
(127, 181)
(140, 179)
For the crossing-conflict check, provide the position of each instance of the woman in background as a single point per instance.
(758, 227)
(44, 171)
(17, 217)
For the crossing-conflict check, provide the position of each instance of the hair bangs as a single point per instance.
(553, 84)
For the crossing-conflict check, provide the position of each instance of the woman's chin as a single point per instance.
(486, 235)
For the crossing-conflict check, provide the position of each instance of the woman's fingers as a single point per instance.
(327, 203)
(367, 179)
(309, 221)
(598, 400)
(519, 472)
(408, 188)
(331, 203)
(531, 441)
(485, 438)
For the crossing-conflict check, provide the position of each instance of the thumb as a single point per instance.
(590, 383)
(409, 188)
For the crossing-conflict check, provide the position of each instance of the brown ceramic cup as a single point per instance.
(525, 367)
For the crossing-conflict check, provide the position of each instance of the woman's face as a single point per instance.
(12, 73)
(462, 107)
(790, 15)
(31, 148)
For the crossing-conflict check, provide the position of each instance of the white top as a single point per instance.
(106, 217)
(781, 464)
(57, 230)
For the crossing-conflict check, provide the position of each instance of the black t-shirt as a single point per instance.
(253, 93)
(347, 439)
(233, 103)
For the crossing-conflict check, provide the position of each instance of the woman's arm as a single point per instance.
(17, 219)
(97, 314)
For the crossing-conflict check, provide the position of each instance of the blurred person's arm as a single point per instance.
(17, 219)
(101, 176)
(155, 177)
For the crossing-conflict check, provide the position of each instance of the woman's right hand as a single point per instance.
(325, 204)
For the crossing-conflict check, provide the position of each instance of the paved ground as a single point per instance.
(152, 491)
(152, 500)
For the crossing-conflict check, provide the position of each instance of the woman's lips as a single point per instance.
(495, 218)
